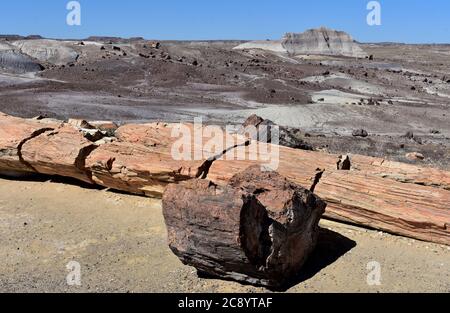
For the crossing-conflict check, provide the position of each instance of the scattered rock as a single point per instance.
(415, 156)
(107, 127)
(253, 120)
(409, 135)
(344, 163)
(360, 133)
(80, 123)
(288, 137)
(93, 135)
(370, 101)
(155, 44)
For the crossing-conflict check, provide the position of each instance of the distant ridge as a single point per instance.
(321, 41)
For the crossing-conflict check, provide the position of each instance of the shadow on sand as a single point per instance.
(330, 247)
(41, 178)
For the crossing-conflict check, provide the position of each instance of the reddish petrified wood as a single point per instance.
(14, 133)
(60, 152)
(395, 197)
(258, 229)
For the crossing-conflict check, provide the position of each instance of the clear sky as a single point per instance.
(412, 21)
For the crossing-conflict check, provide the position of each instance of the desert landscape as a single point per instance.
(86, 172)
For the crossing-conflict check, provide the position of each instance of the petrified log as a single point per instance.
(14, 133)
(142, 161)
(386, 196)
(60, 152)
(258, 229)
(395, 197)
(139, 169)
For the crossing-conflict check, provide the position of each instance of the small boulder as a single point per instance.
(415, 156)
(344, 163)
(80, 123)
(409, 135)
(288, 137)
(360, 133)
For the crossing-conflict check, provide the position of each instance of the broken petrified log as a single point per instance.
(387, 196)
(139, 169)
(399, 198)
(344, 163)
(142, 161)
(59, 152)
(258, 229)
(14, 133)
(266, 129)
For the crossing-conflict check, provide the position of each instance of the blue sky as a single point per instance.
(412, 21)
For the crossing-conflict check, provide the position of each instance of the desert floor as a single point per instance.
(120, 242)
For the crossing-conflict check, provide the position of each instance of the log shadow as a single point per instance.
(42, 178)
(330, 247)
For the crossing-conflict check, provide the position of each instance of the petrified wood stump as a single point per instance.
(258, 229)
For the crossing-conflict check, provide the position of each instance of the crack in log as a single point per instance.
(254, 233)
(317, 179)
(35, 134)
(203, 170)
(80, 160)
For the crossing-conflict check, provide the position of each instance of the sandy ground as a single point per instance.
(120, 242)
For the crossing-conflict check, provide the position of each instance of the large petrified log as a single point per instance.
(398, 198)
(258, 229)
(143, 161)
(371, 195)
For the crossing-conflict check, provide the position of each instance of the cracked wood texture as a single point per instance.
(387, 196)
(258, 229)
(61, 151)
(394, 197)
(14, 133)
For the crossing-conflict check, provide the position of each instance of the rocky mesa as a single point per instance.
(320, 41)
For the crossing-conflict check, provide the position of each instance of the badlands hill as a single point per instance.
(321, 41)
